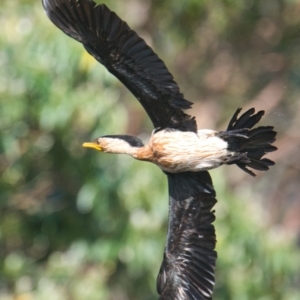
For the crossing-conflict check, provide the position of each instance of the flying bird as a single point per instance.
(183, 152)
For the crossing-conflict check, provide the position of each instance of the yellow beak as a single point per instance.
(92, 145)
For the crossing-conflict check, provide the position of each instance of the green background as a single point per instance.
(76, 224)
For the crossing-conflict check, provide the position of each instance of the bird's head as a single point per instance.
(125, 144)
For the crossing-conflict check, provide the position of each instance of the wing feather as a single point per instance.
(187, 271)
(110, 40)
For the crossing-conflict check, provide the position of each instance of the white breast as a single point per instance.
(177, 151)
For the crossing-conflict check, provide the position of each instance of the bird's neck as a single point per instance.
(143, 153)
(140, 153)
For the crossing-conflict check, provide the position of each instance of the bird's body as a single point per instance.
(182, 151)
(176, 151)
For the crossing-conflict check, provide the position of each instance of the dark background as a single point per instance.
(76, 224)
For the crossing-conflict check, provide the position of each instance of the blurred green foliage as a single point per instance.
(79, 225)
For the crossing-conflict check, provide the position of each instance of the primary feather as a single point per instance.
(110, 40)
(187, 271)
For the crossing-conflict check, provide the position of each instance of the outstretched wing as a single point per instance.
(110, 40)
(187, 271)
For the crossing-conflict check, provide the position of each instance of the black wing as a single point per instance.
(187, 271)
(127, 56)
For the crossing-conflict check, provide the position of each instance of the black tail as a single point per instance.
(249, 144)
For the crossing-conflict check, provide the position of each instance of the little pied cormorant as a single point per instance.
(182, 151)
